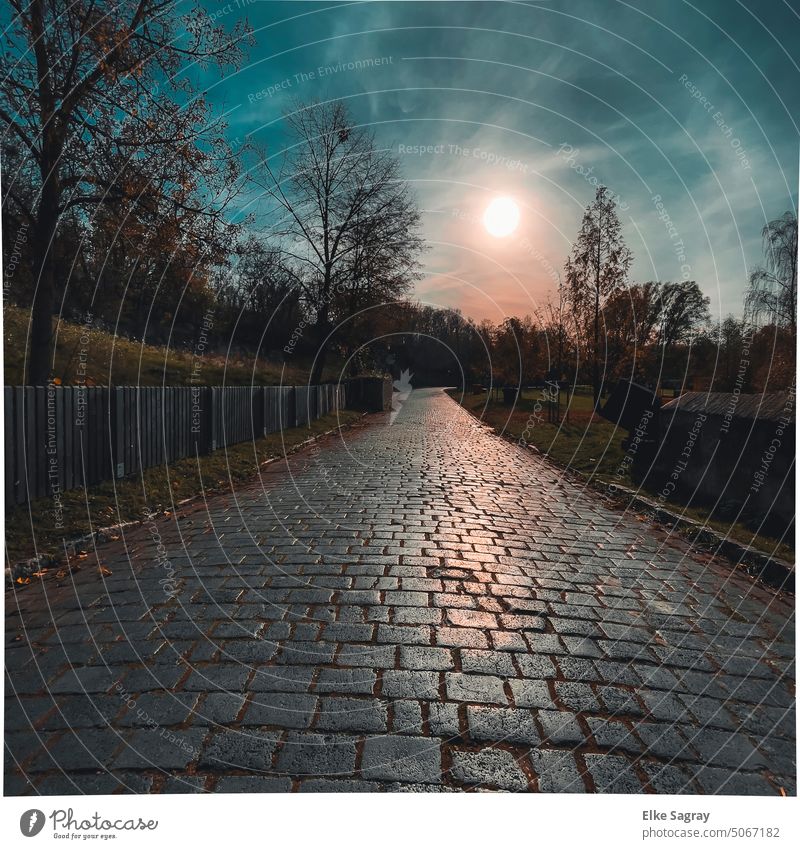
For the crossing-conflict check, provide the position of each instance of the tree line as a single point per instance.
(128, 190)
(123, 198)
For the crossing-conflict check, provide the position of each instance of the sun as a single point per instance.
(501, 217)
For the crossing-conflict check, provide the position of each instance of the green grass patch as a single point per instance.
(31, 530)
(96, 357)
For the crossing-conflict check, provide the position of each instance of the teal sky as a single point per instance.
(686, 111)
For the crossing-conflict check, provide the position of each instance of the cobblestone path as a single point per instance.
(419, 605)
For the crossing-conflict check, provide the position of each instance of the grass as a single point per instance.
(100, 358)
(591, 447)
(30, 528)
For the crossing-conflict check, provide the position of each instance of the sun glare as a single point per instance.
(501, 217)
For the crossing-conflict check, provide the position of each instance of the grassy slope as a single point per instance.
(592, 447)
(30, 528)
(119, 361)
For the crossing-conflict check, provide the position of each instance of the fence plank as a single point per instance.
(99, 433)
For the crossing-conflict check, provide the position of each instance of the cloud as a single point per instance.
(494, 90)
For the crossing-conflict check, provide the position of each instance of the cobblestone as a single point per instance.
(488, 768)
(421, 606)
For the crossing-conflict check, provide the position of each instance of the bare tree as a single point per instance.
(260, 295)
(596, 268)
(349, 218)
(773, 287)
(95, 111)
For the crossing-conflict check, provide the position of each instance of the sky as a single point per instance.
(686, 111)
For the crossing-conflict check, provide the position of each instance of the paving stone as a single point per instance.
(487, 662)
(154, 709)
(185, 784)
(406, 599)
(87, 680)
(513, 622)
(346, 681)
(287, 710)
(90, 785)
(620, 701)
(417, 616)
(406, 759)
(325, 785)
(283, 679)
(348, 632)
(721, 748)
(577, 697)
(227, 678)
(22, 714)
(557, 772)
(252, 784)
(561, 728)
(373, 657)
(362, 715)
(88, 711)
(664, 740)
(529, 694)
(668, 778)
(305, 652)
(613, 774)
(462, 637)
(431, 658)
(407, 684)
(471, 618)
(533, 666)
(508, 641)
(162, 748)
(219, 709)
(407, 717)
(489, 768)
(443, 719)
(404, 635)
(248, 749)
(726, 782)
(84, 749)
(581, 647)
(486, 689)
(320, 755)
(610, 734)
(502, 725)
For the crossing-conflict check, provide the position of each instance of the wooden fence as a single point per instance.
(66, 437)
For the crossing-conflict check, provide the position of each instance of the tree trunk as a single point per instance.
(321, 332)
(595, 357)
(40, 361)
